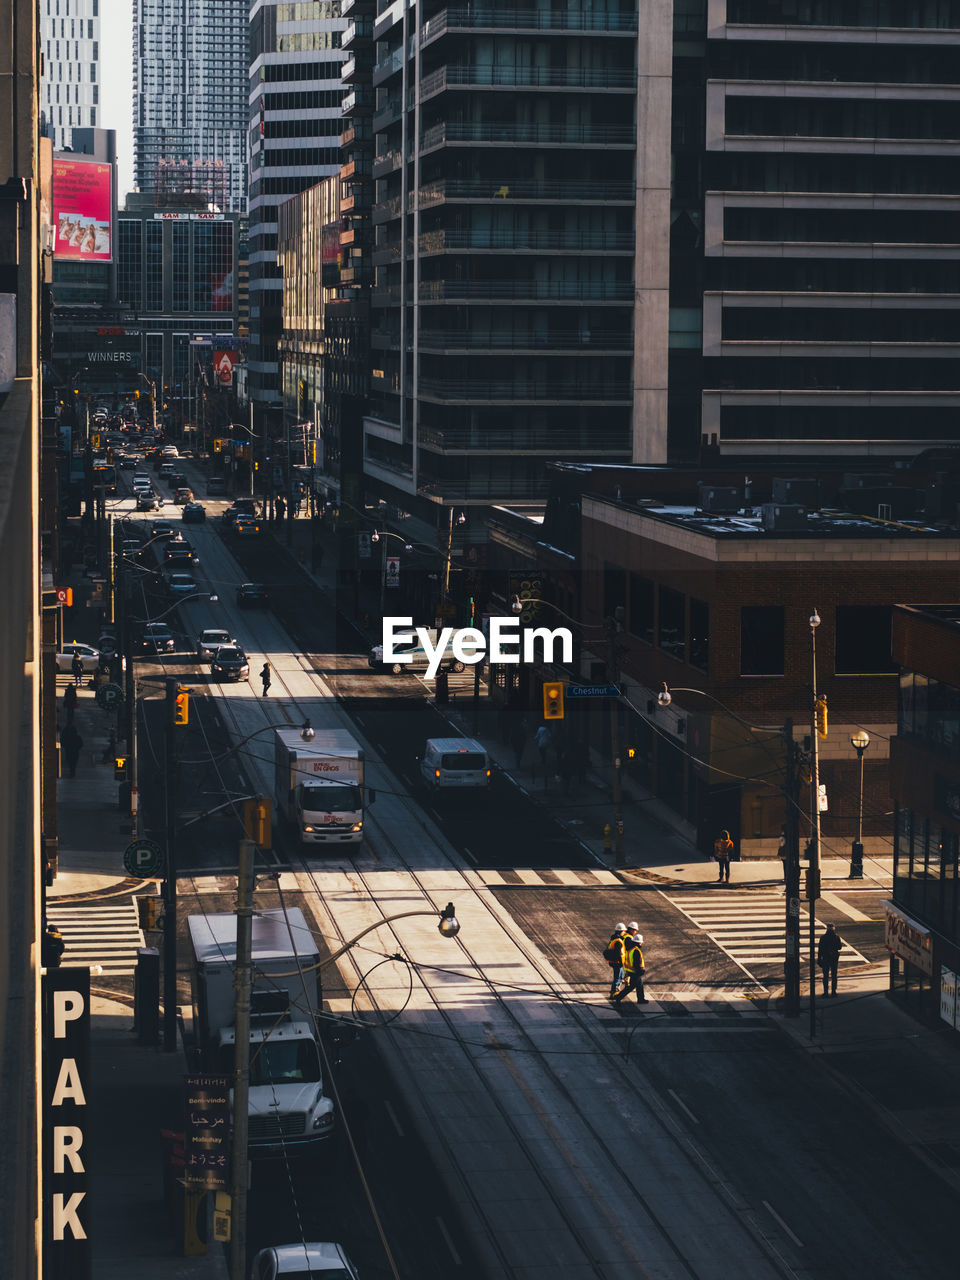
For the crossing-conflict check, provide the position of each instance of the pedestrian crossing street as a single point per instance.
(105, 933)
(750, 927)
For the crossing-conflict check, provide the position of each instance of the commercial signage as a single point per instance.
(908, 939)
(392, 571)
(948, 996)
(82, 194)
(223, 362)
(593, 691)
(66, 1112)
(189, 217)
(207, 1131)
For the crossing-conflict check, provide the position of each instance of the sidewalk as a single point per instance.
(137, 1090)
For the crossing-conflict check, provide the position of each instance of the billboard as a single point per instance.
(223, 362)
(82, 192)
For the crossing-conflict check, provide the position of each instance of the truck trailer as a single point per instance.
(318, 786)
(288, 1109)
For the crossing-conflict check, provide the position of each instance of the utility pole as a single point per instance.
(243, 981)
(813, 874)
(791, 876)
(170, 882)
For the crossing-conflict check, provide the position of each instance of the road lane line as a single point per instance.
(468, 855)
(393, 1116)
(836, 901)
(457, 1260)
(773, 1213)
(683, 1107)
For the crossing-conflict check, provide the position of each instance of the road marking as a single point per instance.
(529, 876)
(393, 1116)
(468, 855)
(836, 901)
(683, 1107)
(457, 1261)
(773, 1213)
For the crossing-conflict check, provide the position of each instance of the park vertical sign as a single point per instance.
(66, 1124)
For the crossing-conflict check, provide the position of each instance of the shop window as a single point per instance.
(671, 635)
(641, 608)
(699, 634)
(761, 640)
(863, 640)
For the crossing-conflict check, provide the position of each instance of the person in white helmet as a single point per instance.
(614, 955)
(633, 964)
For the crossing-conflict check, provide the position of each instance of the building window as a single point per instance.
(761, 640)
(640, 621)
(699, 634)
(863, 640)
(671, 634)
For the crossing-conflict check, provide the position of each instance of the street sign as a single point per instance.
(109, 696)
(142, 858)
(593, 691)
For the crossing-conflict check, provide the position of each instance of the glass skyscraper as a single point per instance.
(190, 67)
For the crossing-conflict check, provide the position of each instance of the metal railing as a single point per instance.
(574, 189)
(509, 19)
(574, 240)
(558, 290)
(527, 131)
(523, 339)
(507, 439)
(529, 78)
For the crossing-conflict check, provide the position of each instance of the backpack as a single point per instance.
(613, 951)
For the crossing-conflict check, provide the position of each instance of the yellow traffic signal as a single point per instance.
(258, 821)
(148, 911)
(822, 716)
(181, 714)
(553, 700)
(120, 768)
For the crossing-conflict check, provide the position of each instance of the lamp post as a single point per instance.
(860, 741)
(461, 520)
(813, 874)
(375, 536)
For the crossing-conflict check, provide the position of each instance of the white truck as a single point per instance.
(318, 785)
(288, 1109)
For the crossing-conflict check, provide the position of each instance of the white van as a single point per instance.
(415, 656)
(455, 762)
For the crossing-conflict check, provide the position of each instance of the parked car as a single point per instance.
(89, 656)
(246, 526)
(210, 640)
(182, 584)
(183, 496)
(230, 663)
(157, 638)
(322, 1261)
(193, 513)
(253, 595)
(146, 500)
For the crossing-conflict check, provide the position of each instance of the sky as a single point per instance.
(116, 84)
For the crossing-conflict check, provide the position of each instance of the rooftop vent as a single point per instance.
(797, 490)
(783, 517)
(718, 500)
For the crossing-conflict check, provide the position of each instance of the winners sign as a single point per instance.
(66, 1117)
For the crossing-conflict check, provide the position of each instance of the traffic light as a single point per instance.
(147, 911)
(181, 714)
(258, 821)
(822, 716)
(553, 700)
(120, 768)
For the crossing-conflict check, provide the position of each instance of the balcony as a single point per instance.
(588, 342)
(387, 66)
(501, 19)
(355, 198)
(558, 390)
(359, 31)
(499, 440)
(356, 170)
(387, 112)
(527, 240)
(621, 291)
(387, 162)
(608, 135)
(359, 99)
(614, 79)
(571, 191)
(479, 487)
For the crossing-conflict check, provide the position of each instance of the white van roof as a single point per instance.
(452, 745)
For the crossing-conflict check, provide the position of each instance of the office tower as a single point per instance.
(507, 171)
(190, 66)
(70, 88)
(294, 120)
(830, 255)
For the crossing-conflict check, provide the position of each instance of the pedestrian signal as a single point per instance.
(120, 768)
(181, 713)
(148, 911)
(553, 700)
(258, 821)
(822, 716)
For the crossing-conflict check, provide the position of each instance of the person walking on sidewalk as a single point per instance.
(614, 955)
(723, 852)
(544, 742)
(70, 702)
(828, 958)
(71, 744)
(76, 670)
(265, 679)
(633, 964)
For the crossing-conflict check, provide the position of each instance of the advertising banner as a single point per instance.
(907, 938)
(223, 362)
(948, 995)
(81, 209)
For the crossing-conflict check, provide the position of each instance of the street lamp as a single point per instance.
(813, 873)
(860, 741)
(460, 520)
(375, 536)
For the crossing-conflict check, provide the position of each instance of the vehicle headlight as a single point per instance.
(310, 829)
(324, 1120)
(357, 826)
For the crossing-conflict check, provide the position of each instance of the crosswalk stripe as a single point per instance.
(98, 934)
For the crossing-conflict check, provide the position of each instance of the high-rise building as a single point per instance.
(294, 120)
(70, 89)
(190, 67)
